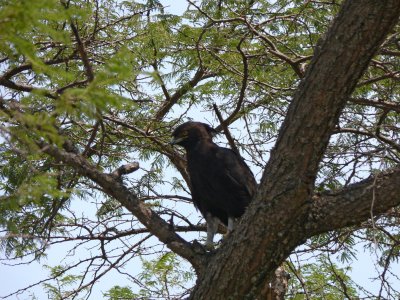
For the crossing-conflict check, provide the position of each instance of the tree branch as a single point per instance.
(378, 193)
(225, 129)
(176, 159)
(375, 135)
(25, 88)
(382, 104)
(125, 169)
(83, 53)
(269, 230)
(393, 75)
(166, 106)
(194, 253)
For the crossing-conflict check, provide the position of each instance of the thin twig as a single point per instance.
(83, 53)
(226, 130)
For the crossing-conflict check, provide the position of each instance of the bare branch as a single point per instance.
(167, 105)
(177, 160)
(194, 253)
(83, 53)
(125, 169)
(382, 104)
(225, 129)
(26, 88)
(376, 135)
(393, 75)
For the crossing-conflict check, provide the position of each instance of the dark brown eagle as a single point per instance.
(222, 184)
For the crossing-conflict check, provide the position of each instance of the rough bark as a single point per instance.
(285, 213)
(276, 290)
(354, 204)
(271, 227)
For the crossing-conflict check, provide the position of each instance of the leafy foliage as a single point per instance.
(60, 290)
(321, 280)
(109, 80)
(119, 292)
(164, 276)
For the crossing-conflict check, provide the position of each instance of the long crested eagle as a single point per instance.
(221, 182)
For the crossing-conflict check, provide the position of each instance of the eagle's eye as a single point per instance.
(184, 134)
(180, 137)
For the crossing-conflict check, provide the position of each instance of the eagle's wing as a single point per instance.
(222, 183)
(236, 172)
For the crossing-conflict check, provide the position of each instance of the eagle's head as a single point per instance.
(189, 133)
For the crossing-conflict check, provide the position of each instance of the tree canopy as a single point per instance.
(307, 91)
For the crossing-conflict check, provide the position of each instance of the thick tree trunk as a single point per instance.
(277, 288)
(271, 227)
(284, 213)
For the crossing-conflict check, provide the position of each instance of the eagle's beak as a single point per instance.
(176, 140)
